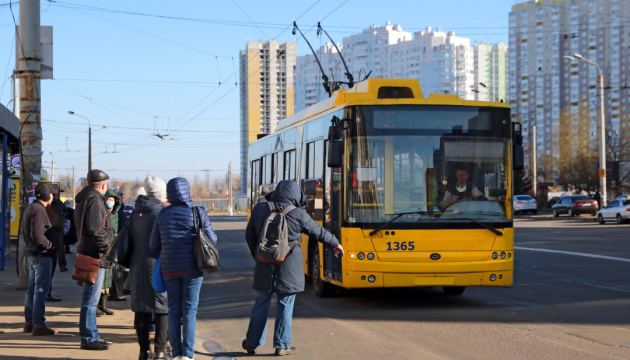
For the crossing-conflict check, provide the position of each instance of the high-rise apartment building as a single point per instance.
(491, 72)
(266, 91)
(444, 63)
(559, 96)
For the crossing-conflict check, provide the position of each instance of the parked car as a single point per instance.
(617, 210)
(552, 202)
(575, 205)
(525, 203)
(128, 209)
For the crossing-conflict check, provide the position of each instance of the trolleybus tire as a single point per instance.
(321, 288)
(453, 290)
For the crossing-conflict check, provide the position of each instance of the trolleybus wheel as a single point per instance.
(321, 288)
(453, 290)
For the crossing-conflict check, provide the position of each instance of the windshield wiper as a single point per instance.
(420, 212)
(476, 223)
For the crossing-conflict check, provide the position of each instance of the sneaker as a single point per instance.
(250, 349)
(177, 358)
(95, 345)
(37, 331)
(63, 269)
(28, 328)
(186, 358)
(283, 352)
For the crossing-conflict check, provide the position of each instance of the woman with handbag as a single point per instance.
(145, 301)
(173, 242)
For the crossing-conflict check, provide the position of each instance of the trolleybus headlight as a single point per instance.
(370, 256)
(495, 255)
(363, 277)
(502, 255)
(493, 277)
(509, 255)
(361, 256)
(371, 278)
(352, 256)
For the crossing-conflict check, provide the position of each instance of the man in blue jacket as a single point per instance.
(285, 278)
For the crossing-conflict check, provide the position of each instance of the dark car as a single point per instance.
(575, 205)
(128, 209)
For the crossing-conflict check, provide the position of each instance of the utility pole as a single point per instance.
(29, 65)
(534, 162)
(74, 193)
(230, 188)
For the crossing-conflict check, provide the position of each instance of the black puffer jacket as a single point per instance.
(286, 277)
(94, 228)
(143, 297)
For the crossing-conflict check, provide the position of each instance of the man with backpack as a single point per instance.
(272, 235)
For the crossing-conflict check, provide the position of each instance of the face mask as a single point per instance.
(110, 204)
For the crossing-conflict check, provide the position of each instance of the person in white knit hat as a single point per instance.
(141, 191)
(145, 302)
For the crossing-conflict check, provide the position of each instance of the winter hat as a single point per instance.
(155, 187)
(141, 191)
(43, 191)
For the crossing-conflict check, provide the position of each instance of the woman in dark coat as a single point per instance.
(173, 240)
(145, 302)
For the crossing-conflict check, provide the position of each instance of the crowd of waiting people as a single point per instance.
(161, 227)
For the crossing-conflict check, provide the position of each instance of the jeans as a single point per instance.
(39, 270)
(87, 316)
(183, 298)
(258, 320)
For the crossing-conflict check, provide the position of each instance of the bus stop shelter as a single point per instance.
(10, 131)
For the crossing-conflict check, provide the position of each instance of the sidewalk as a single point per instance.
(63, 316)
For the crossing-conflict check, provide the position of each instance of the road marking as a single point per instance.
(575, 254)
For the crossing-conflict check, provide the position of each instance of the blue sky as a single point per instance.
(147, 68)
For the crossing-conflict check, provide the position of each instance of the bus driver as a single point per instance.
(462, 189)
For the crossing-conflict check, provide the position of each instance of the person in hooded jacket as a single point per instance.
(173, 240)
(112, 203)
(145, 301)
(285, 278)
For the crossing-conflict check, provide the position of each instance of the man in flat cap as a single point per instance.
(39, 252)
(95, 234)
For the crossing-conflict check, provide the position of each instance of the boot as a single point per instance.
(144, 355)
(102, 305)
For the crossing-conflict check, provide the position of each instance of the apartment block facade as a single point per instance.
(560, 96)
(443, 62)
(266, 91)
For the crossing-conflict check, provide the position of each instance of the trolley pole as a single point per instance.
(29, 60)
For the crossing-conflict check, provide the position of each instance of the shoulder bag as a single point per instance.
(119, 251)
(85, 267)
(206, 254)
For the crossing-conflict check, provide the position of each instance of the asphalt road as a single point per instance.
(570, 300)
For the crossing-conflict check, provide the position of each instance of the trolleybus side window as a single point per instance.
(255, 181)
(289, 165)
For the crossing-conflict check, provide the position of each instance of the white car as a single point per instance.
(617, 210)
(525, 203)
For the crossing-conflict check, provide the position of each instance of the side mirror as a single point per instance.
(518, 157)
(335, 153)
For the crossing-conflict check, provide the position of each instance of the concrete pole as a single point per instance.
(602, 140)
(74, 193)
(52, 172)
(230, 188)
(29, 65)
(534, 161)
(90, 148)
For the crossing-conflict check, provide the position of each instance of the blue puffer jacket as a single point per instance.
(173, 235)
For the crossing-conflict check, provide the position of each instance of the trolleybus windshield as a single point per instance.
(447, 161)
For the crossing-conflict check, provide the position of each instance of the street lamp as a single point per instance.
(89, 139)
(52, 169)
(601, 128)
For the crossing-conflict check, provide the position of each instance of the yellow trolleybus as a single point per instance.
(418, 190)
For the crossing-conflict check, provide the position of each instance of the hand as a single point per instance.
(339, 250)
(452, 201)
